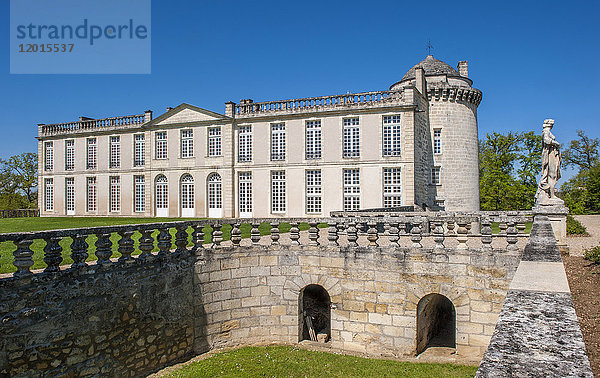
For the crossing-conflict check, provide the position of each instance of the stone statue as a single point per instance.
(546, 192)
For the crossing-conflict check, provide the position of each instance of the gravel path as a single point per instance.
(578, 244)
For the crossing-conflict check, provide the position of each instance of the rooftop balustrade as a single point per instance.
(92, 125)
(101, 245)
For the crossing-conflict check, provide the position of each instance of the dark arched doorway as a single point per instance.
(314, 313)
(436, 323)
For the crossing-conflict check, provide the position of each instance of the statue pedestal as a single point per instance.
(557, 212)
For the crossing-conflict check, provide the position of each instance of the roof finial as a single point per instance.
(429, 47)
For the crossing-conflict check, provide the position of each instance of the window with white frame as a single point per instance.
(115, 194)
(139, 194)
(215, 191)
(69, 154)
(48, 156)
(245, 143)
(392, 187)
(351, 189)
(139, 150)
(162, 191)
(115, 152)
(435, 176)
(161, 144)
(91, 194)
(437, 141)
(391, 135)
(91, 158)
(49, 194)
(351, 138)
(187, 143)
(313, 191)
(278, 191)
(214, 141)
(70, 194)
(278, 141)
(313, 139)
(187, 192)
(245, 192)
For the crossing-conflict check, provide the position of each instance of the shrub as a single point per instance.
(593, 255)
(574, 227)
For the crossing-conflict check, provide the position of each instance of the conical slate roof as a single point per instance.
(432, 67)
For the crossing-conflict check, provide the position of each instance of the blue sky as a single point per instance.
(532, 60)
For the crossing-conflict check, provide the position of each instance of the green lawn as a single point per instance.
(287, 361)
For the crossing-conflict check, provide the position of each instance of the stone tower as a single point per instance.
(453, 116)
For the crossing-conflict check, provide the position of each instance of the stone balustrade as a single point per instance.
(91, 124)
(308, 104)
(155, 239)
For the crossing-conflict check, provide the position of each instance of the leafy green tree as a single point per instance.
(583, 152)
(530, 163)
(18, 181)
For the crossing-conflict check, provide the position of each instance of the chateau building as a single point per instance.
(415, 144)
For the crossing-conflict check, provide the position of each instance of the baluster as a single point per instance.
(294, 233)
(126, 246)
(181, 239)
(236, 234)
(103, 248)
(503, 227)
(198, 237)
(394, 232)
(462, 234)
(255, 233)
(53, 254)
(217, 235)
(520, 227)
(352, 233)
(332, 234)
(23, 257)
(313, 234)
(438, 234)
(372, 235)
(468, 226)
(415, 234)
(450, 227)
(274, 233)
(164, 242)
(486, 234)
(79, 249)
(146, 244)
(511, 237)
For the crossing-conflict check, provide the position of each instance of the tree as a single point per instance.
(530, 162)
(18, 181)
(582, 152)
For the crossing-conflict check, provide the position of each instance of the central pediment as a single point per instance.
(185, 113)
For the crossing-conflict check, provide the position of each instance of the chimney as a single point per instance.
(147, 116)
(463, 68)
(229, 108)
(420, 82)
(169, 108)
(82, 118)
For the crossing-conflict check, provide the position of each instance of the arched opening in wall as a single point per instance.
(162, 196)
(436, 323)
(214, 193)
(314, 314)
(187, 196)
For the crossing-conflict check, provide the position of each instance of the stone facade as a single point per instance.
(442, 101)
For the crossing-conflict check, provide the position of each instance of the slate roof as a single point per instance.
(432, 67)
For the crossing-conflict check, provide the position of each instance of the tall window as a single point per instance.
(48, 156)
(392, 188)
(91, 159)
(49, 194)
(115, 193)
(139, 150)
(115, 152)
(139, 194)
(161, 144)
(435, 176)
(391, 135)
(187, 143)
(278, 141)
(313, 191)
(437, 141)
(351, 189)
(313, 139)
(245, 192)
(69, 155)
(70, 194)
(187, 192)
(215, 195)
(278, 191)
(214, 141)
(351, 138)
(91, 194)
(245, 143)
(162, 198)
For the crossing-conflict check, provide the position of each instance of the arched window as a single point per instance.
(162, 196)
(436, 322)
(215, 198)
(187, 196)
(314, 313)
